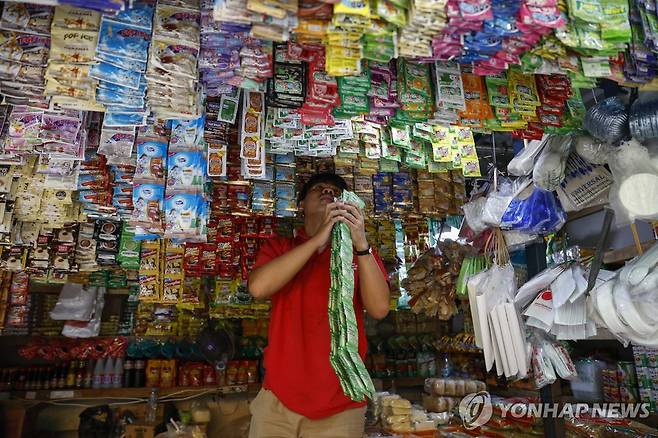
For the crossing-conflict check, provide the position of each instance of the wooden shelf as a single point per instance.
(626, 253)
(403, 382)
(127, 393)
(572, 216)
(43, 288)
(513, 392)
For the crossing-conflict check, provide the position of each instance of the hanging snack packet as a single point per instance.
(26, 17)
(123, 40)
(151, 159)
(179, 24)
(178, 58)
(69, 17)
(73, 46)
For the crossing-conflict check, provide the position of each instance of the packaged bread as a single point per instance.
(460, 388)
(400, 411)
(402, 428)
(400, 403)
(438, 387)
(388, 399)
(451, 388)
(398, 419)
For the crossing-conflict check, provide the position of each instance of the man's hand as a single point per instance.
(353, 217)
(332, 215)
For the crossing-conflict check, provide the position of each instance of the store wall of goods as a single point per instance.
(149, 148)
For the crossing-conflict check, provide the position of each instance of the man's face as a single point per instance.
(318, 196)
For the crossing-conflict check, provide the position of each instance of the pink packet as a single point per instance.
(550, 17)
(59, 128)
(508, 57)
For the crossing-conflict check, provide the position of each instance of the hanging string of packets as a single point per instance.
(344, 356)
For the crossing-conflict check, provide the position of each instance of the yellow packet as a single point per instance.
(522, 88)
(64, 102)
(266, 8)
(353, 7)
(172, 289)
(343, 52)
(84, 90)
(67, 71)
(312, 27)
(471, 167)
(69, 17)
(73, 46)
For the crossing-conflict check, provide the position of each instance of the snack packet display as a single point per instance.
(344, 356)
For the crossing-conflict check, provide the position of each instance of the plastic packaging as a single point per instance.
(608, 120)
(498, 201)
(473, 214)
(523, 163)
(73, 329)
(548, 172)
(592, 150)
(643, 119)
(75, 303)
(537, 212)
(635, 189)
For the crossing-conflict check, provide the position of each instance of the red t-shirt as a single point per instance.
(297, 367)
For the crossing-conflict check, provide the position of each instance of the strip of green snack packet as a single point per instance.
(344, 356)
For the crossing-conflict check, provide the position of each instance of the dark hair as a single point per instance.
(318, 178)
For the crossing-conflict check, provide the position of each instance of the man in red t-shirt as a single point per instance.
(301, 395)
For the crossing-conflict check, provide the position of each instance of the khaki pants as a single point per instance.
(271, 419)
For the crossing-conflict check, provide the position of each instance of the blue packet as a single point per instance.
(115, 119)
(115, 75)
(147, 203)
(125, 40)
(181, 214)
(125, 109)
(121, 62)
(185, 170)
(140, 14)
(111, 97)
(151, 160)
(187, 133)
(107, 6)
(141, 91)
(288, 158)
(486, 45)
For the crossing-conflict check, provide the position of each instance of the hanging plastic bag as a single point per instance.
(473, 214)
(535, 212)
(499, 200)
(548, 172)
(608, 120)
(92, 328)
(635, 189)
(592, 150)
(643, 118)
(75, 302)
(542, 368)
(523, 163)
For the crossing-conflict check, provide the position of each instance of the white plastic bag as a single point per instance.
(593, 150)
(634, 193)
(91, 328)
(473, 214)
(75, 302)
(548, 172)
(498, 201)
(524, 161)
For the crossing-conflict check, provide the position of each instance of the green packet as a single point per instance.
(129, 248)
